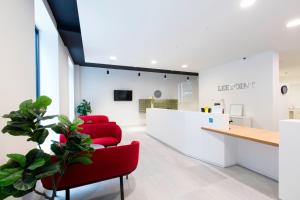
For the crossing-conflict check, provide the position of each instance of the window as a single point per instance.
(37, 61)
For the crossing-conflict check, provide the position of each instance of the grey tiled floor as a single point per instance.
(164, 174)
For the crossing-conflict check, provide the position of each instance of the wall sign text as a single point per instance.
(236, 86)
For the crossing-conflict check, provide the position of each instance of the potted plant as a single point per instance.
(84, 108)
(20, 174)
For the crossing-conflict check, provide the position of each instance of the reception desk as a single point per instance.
(252, 134)
(207, 137)
(182, 131)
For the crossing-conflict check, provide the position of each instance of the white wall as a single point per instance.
(56, 68)
(97, 87)
(294, 94)
(71, 88)
(260, 100)
(17, 78)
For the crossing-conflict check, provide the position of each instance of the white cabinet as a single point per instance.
(289, 160)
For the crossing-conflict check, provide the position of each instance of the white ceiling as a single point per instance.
(199, 33)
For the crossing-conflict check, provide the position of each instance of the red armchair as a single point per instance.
(108, 163)
(106, 134)
(94, 119)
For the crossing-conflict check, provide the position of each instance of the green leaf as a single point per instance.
(36, 154)
(57, 149)
(37, 163)
(64, 120)
(39, 135)
(7, 191)
(25, 106)
(24, 125)
(14, 115)
(42, 136)
(15, 131)
(42, 102)
(49, 117)
(6, 172)
(77, 121)
(9, 164)
(49, 170)
(59, 128)
(82, 159)
(20, 193)
(11, 179)
(21, 159)
(72, 128)
(26, 183)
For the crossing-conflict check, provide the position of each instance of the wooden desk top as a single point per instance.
(252, 134)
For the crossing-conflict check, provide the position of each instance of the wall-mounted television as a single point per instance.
(123, 95)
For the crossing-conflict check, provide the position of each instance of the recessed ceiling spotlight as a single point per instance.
(113, 58)
(293, 23)
(247, 3)
(153, 62)
(184, 66)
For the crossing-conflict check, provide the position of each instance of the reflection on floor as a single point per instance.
(164, 174)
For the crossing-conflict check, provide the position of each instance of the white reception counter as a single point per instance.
(182, 130)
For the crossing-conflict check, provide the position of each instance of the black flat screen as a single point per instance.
(123, 95)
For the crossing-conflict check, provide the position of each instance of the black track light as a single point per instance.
(107, 72)
(165, 76)
(139, 74)
(188, 78)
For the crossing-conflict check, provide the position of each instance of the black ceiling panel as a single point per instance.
(66, 14)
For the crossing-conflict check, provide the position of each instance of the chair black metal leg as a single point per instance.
(121, 187)
(67, 194)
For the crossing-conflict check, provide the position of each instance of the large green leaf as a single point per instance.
(15, 131)
(48, 170)
(6, 172)
(25, 183)
(39, 135)
(25, 107)
(14, 115)
(11, 178)
(42, 102)
(57, 148)
(64, 120)
(59, 128)
(22, 124)
(9, 164)
(21, 159)
(82, 159)
(36, 154)
(37, 163)
(77, 147)
(42, 137)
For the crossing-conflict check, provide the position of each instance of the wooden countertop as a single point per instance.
(252, 134)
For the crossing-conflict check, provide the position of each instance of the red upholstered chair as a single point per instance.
(94, 119)
(106, 134)
(108, 163)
